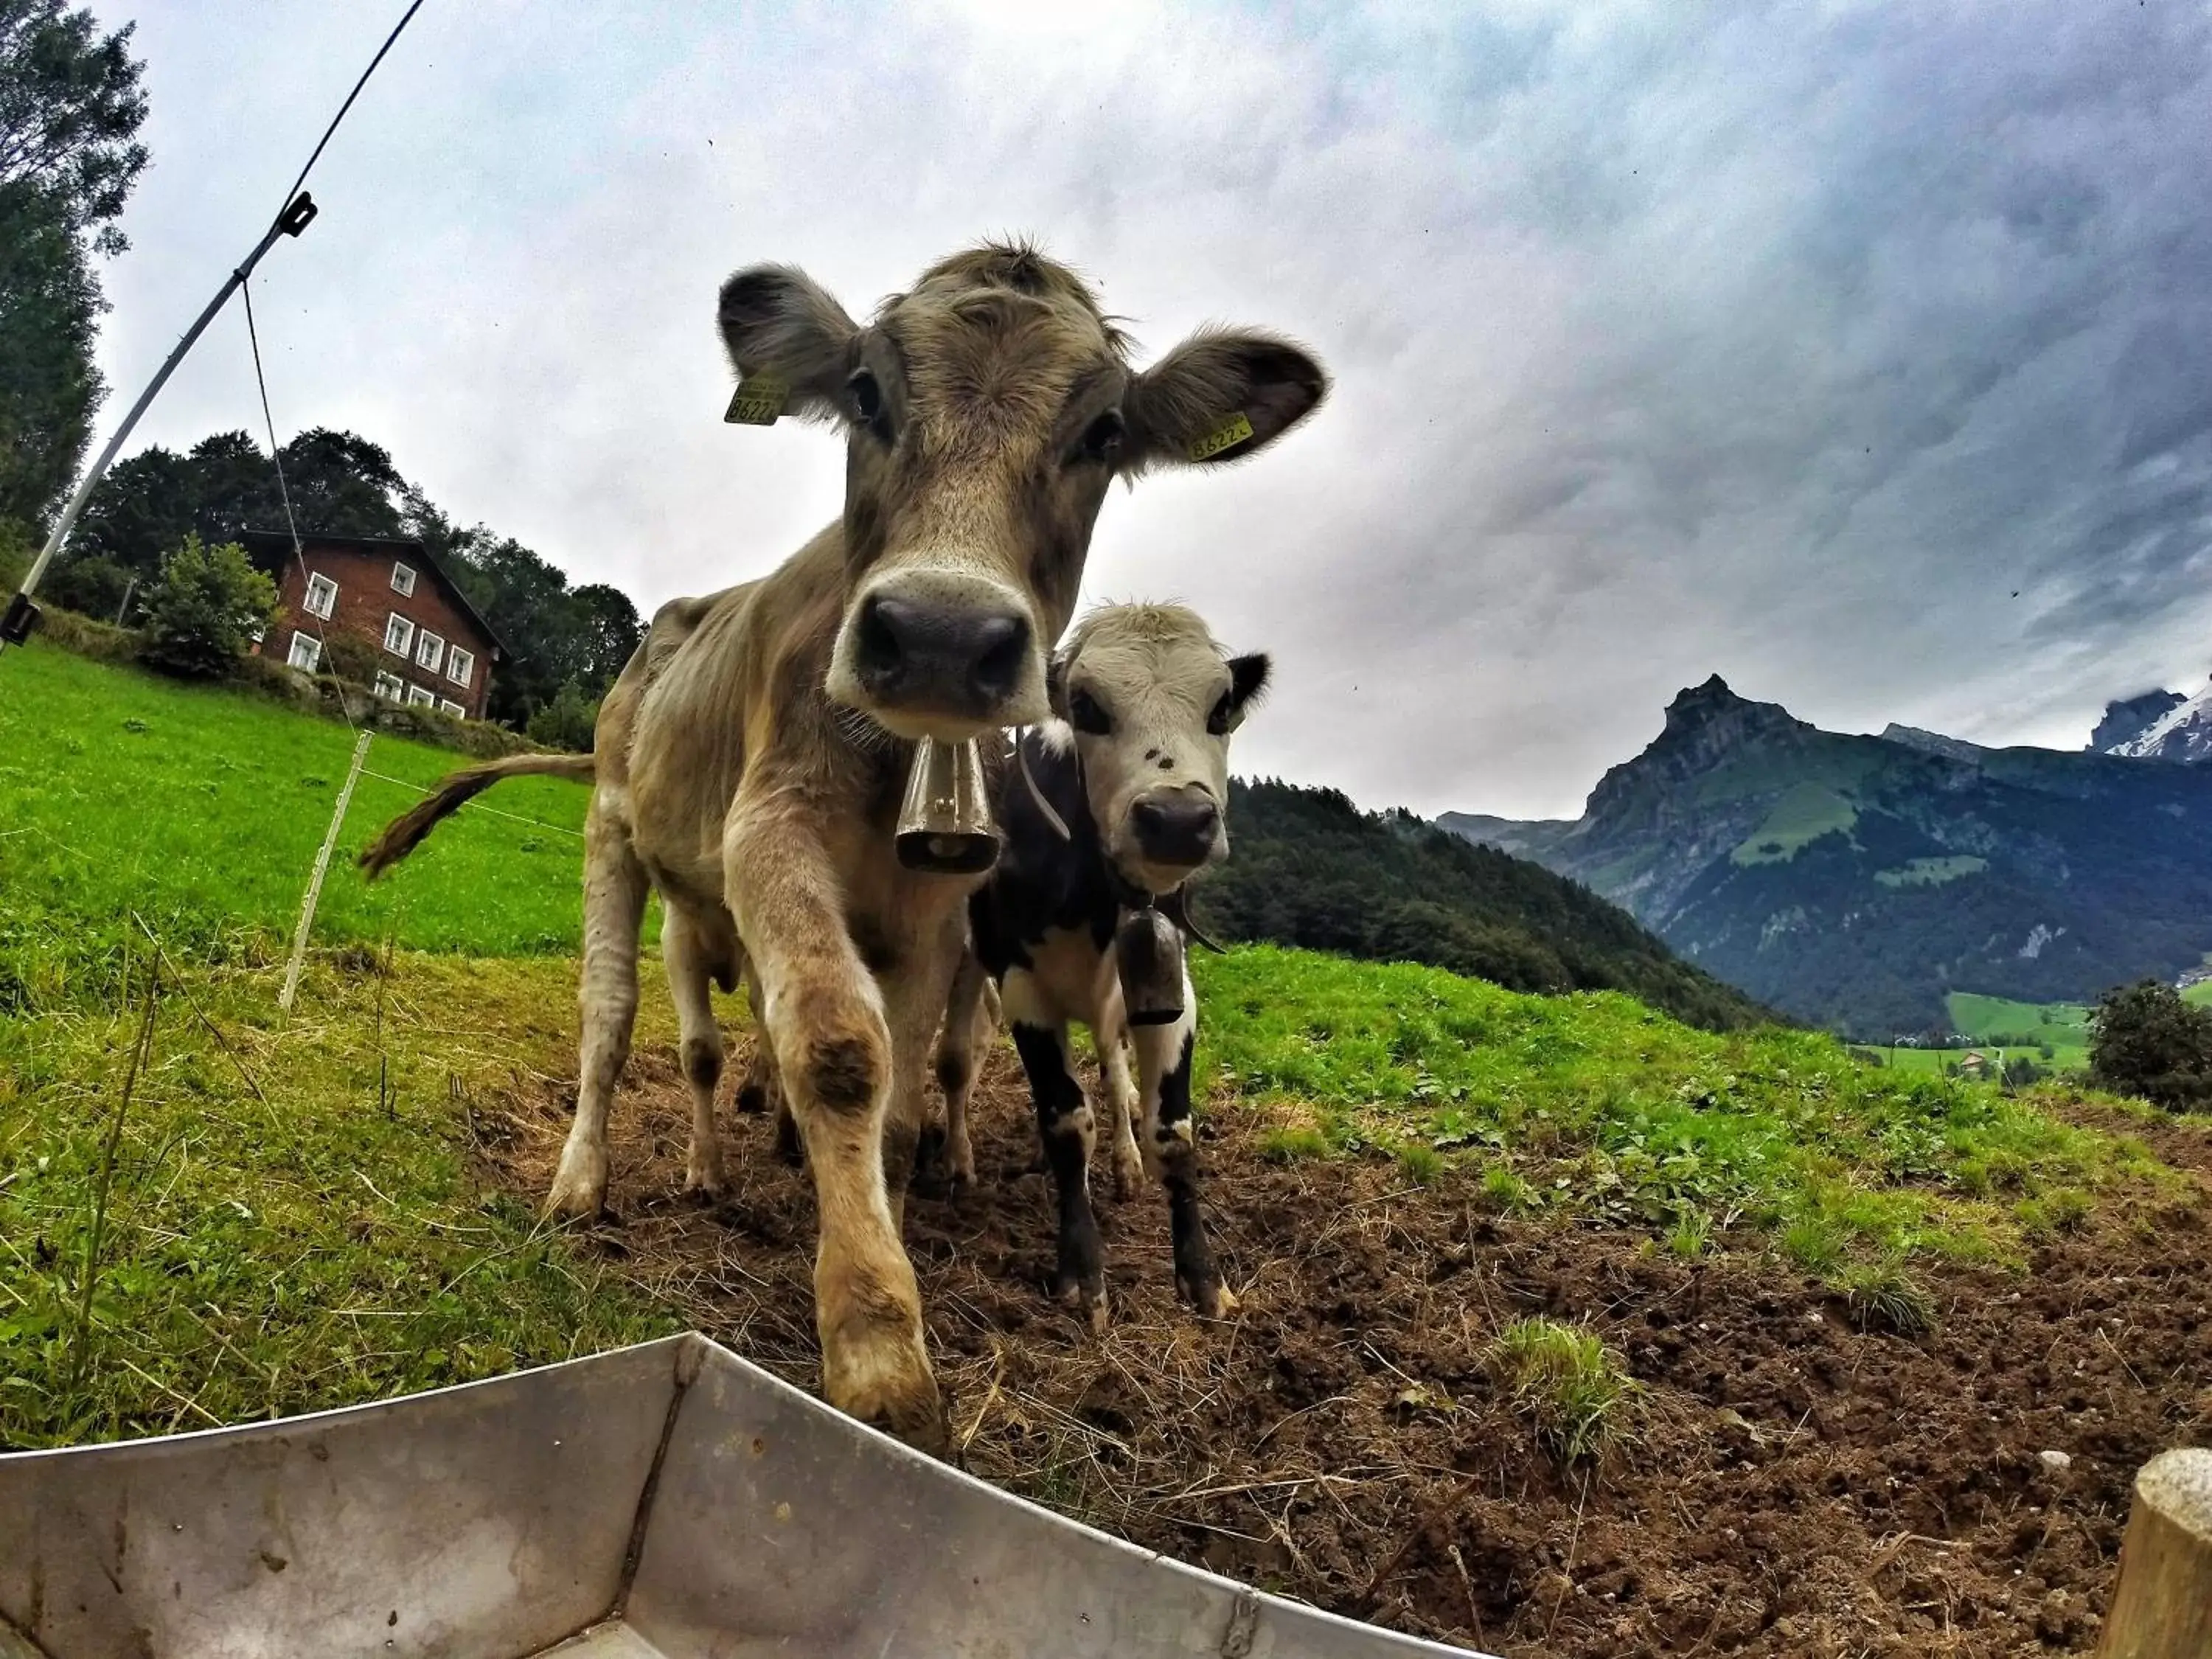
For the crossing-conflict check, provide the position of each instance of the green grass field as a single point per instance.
(201, 809)
(260, 1215)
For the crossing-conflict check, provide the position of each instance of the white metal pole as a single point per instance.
(315, 881)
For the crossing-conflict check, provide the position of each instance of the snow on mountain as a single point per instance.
(2183, 733)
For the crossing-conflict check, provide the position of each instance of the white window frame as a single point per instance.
(319, 586)
(390, 686)
(398, 634)
(460, 665)
(429, 649)
(403, 579)
(420, 696)
(313, 652)
(447, 706)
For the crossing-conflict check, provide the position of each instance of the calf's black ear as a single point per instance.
(1247, 679)
(1221, 395)
(785, 332)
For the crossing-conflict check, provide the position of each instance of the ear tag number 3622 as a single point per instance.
(759, 399)
(1226, 436)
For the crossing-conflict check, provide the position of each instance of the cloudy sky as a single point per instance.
(1863, 355)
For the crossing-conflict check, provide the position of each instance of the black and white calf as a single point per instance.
(1136, 766)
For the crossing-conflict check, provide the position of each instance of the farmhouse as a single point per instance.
(433, 646)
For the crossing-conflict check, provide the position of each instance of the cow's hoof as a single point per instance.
(962, 1183)
(705, 1182)
(1087, 1297)
(752, 1099)
(1129, 1180)
(579, 1186)
(903, 1405)
(1207, 1295)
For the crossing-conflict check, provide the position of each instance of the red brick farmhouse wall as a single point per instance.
(429, 643)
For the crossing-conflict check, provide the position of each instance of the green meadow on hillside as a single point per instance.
(228, 1214)
(201, 808)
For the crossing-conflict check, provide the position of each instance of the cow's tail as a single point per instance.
(404, 833)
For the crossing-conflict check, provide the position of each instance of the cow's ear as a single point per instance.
(1247, 679)
(1221, 395)
(782, 327)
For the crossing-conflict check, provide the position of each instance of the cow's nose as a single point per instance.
(1176, 827)
(955, 657)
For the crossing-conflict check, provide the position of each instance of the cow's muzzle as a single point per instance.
(931, 656)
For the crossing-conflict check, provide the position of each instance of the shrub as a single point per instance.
(567, 721)
(352, 656)
(2145, 1041)
(205, 610)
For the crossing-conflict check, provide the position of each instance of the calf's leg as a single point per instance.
(614, 907)
(1110, 1031)
(700, 1045)
(1068, 1133)
(833, 1054)
(1164, 1057)
(957, 1060)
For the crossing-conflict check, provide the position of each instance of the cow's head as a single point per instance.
(1150, 700)
(987, 410)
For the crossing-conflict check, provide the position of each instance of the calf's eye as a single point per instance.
(1087, 714)
(1217, 723)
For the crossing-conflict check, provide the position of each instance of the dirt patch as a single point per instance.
(1794, 1486)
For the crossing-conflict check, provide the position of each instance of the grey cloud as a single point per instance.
(1780, 341)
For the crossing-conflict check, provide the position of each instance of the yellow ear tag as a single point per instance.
(1229, 434)
(759, 399)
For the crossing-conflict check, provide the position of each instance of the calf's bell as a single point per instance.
(1148, 956)
(945, 826)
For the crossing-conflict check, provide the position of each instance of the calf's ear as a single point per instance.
(779, 326)
(1247, 679)
(1221, 395)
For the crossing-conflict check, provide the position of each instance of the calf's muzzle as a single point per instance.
(1178, 829)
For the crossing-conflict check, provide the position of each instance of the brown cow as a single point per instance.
(750, 761)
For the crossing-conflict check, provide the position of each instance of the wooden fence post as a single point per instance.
(2162, 1608)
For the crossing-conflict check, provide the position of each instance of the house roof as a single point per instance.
(279, 542)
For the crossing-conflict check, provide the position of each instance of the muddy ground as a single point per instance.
(1794, 1485)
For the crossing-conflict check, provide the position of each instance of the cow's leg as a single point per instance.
(1068, 1133)
(757, 1093)
(699, 1043)
(1110, 1032)
(833, 1055)
(956, 1061)
(1164, 1055)
(915, 999)
(763, 1091)
(614, 907)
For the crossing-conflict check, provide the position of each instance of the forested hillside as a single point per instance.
(1309, 868)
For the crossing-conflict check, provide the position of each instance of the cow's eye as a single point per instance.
(1102, 439)
(868, 403)
(1217, 723)
(1087, 714)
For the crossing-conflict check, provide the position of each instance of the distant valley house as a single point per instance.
(434, 648)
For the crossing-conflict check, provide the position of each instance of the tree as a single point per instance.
(70, 106)
(209, 604)
(2145, 1041)
(50, 306)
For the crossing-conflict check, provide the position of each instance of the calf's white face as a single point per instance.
(1151, 700)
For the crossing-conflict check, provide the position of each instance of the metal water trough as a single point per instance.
(668, 1499)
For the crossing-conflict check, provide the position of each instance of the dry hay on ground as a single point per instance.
(1794, 1486)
